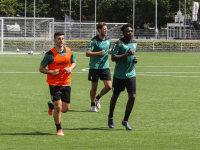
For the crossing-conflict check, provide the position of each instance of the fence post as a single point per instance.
(52, 36)
(153, 45)
(2, 38)
(181, 45)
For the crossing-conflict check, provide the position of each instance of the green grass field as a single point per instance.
(166, 114)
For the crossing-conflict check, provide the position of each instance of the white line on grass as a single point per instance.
(168, 67)
(169, 76)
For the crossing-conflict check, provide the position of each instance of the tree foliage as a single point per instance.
(107, 10)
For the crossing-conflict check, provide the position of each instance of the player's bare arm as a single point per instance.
(69, 70)
(109, 50)
(44, 70)
(89, 53)
(135, 60)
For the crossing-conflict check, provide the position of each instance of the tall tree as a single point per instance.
(7, 8)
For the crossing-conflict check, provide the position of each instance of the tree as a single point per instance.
(7, 8)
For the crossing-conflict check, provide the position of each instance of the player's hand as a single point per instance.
(68, 70)
(135, 60)
(102, 52)
(130, 52)
(55, 72)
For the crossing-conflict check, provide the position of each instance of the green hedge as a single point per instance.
(143, 45)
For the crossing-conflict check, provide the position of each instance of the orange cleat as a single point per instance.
(50, 111)
(60, 132)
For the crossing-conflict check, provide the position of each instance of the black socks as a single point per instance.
(58, 126)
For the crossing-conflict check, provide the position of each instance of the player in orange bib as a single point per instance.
(60, 61)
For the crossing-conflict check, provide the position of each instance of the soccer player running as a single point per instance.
(124, 54)
(98, 50)
(60, 61)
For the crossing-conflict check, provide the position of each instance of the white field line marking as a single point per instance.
(167, 66)
(168, 76)
(30, 72)
(167, 72)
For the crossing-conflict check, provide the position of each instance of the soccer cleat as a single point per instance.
(126, 124)
(110, 122)
(51, 108)
(50, 111)
(60, 132)
(93, 108)
(98, 103)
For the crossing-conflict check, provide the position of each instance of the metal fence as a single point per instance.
(26, 33)
(36, 34)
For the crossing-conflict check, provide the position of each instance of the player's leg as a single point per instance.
(118, 86)
(112, 108)
(66, 94)
(129, 105)
(107, 87)
(57, 116)
(113, 102)
(93, 77)
(56, 98)
(131, 89)
(106, 77)
(65, 107)
(93, 91)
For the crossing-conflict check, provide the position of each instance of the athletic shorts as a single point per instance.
(60, 92)
(95, 74)
(120, 85)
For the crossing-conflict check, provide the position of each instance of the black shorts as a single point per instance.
(95, 74)
(120, 84)
(60, 92)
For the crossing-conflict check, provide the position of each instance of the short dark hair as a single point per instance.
(100, 25)
(58, 33)
(126, 25)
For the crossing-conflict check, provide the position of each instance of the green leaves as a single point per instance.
(107, 10)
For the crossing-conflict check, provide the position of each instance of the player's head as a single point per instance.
(127, 30)
(59, 39)
(58, 34)
(102, 28)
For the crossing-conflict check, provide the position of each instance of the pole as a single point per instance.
(95, 17)
(179, 17)
(25, 21)
(65, 31)
(156, 21)
(133, 18)
(2, 29)
(185, 20)
(80, 19)
(34, 26)
(70, 5)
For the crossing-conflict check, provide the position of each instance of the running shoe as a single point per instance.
(110, 122)
(98, 103)
(50, 111)
(126, 124)
(93, 108)
(60, 132)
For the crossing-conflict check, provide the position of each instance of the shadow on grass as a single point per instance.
(77, 111)
(32, 133)
(101, 128)
(80, 111)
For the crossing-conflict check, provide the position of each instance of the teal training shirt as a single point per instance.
(96, 45)
(124, 68)
(49, 57)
